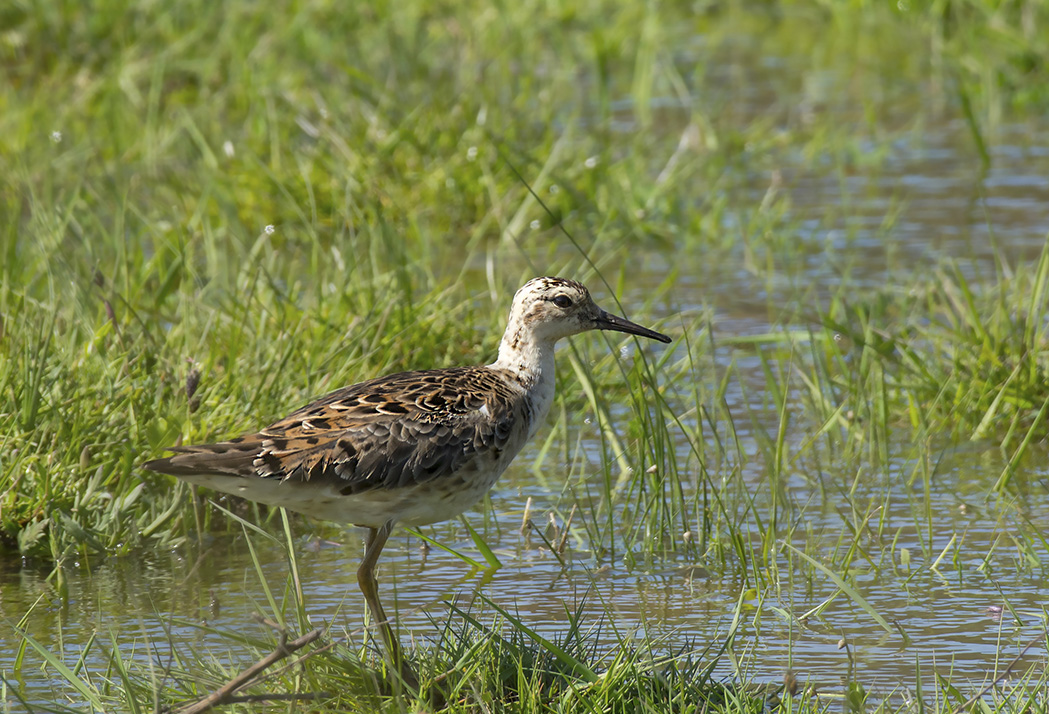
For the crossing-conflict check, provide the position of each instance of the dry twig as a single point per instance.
(225, 693)
(1005, 673)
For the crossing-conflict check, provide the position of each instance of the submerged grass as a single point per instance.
(949, 356)
(212, 212)
(480, 657)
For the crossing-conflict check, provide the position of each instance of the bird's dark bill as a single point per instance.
(608, 321)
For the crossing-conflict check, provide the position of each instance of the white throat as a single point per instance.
(531, 362)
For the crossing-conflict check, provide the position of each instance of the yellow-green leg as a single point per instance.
(373, 545)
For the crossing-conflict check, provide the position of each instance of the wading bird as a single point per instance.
(412, 448)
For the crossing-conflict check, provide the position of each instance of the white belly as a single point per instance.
(438, 500)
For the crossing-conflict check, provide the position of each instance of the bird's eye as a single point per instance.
(563, 301)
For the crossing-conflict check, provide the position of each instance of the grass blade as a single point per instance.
(564, 657)
(451, 551)
(479, 543)
(845, 588)
(80, 686)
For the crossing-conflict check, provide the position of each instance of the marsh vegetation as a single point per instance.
(830, 491)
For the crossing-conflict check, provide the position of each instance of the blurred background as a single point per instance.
(211, 213)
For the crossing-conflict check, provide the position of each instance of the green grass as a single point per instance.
(211, 213)
(479, 656)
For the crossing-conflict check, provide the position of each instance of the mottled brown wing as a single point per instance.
(390, 432)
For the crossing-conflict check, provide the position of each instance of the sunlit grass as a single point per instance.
(478, 655)
(214, 212)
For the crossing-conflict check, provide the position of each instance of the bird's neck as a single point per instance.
(531, 364)
(530, 361)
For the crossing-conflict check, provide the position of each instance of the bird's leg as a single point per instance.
(373, 545)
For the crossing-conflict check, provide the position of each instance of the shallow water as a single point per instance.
(955, 615)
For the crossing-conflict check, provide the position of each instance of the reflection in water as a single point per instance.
(952, 614)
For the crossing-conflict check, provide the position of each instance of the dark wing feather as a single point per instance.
(390, 432)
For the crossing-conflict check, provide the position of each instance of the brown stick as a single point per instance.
(223, 694)
(1005, 673)
(254, 698)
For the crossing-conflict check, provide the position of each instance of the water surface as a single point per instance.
(956, 615)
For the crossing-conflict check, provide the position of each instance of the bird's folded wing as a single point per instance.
(391, 432)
